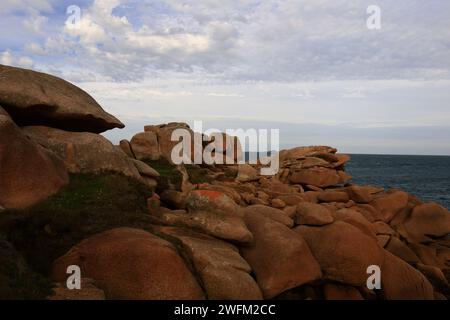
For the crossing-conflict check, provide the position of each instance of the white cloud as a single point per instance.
(7, 58)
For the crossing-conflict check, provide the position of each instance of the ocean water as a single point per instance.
(427, 177)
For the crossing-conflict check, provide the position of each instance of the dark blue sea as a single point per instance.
(427, 177)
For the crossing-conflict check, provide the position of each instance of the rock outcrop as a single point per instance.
(195, 231)
(28, 172)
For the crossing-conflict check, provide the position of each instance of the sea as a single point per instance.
(427, 177)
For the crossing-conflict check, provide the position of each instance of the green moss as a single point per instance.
(170, 177)
(88, 205)
(198, 174)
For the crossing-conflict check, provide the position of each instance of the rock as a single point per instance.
(164, 136)
(230, 192)
(224, 273)
(427, 220)
(335, 291)
(131, 264)
(320, 177)
(389, 204)
(222, 226)
(427, 254)
(313, 188)
(154, 204)
(343, 251)
(257, 201)
(271, 213)
(383, 228)
(291, 211)
(230, 146)
(400, 281)
(311, 162)
(356, 219)
(263, 196)
(247, 173)
(34, 98)
(383, 239)
(88, 291)
(300, 152)
(279, 257)
(125, 146)
(401, 250)
(333, 196)
(436, 277)
(29, 173)
(83, 152)
(144, 169)
(439, 296)
(213, 201)
(291, 199)
(174, 199)
(144, 146)
(278, 203)
(369, 212)
(149, 182)
(342, 159)
(327, 156)
(360, 194)
(313, 214)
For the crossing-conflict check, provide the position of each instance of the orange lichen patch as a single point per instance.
(212, 195)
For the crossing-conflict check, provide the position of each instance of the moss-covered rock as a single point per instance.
(17, 280)
(89, 204)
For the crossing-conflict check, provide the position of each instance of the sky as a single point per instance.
(310, 68)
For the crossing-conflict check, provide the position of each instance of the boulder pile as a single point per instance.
(216, 231)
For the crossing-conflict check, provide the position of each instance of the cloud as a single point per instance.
(7, 58)
(283, 60)
(243, 40)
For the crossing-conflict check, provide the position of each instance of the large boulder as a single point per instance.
(279, 257)
(166, 144)
(400, 281)
(144, 146)
(227, 227)
(343, 251)
(247, 173)
(360, 194)
(83, 151)
(28, 172)
(213, 201)
(34, 98)
(427, 220)
(313, 214)
(271, 213)
(401, 250)
(131, 264)
(319, 177)
(389, 204)
(224, 273)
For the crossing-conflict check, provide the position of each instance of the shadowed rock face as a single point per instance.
(131, 264)
(29, 173)
(34, 98)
